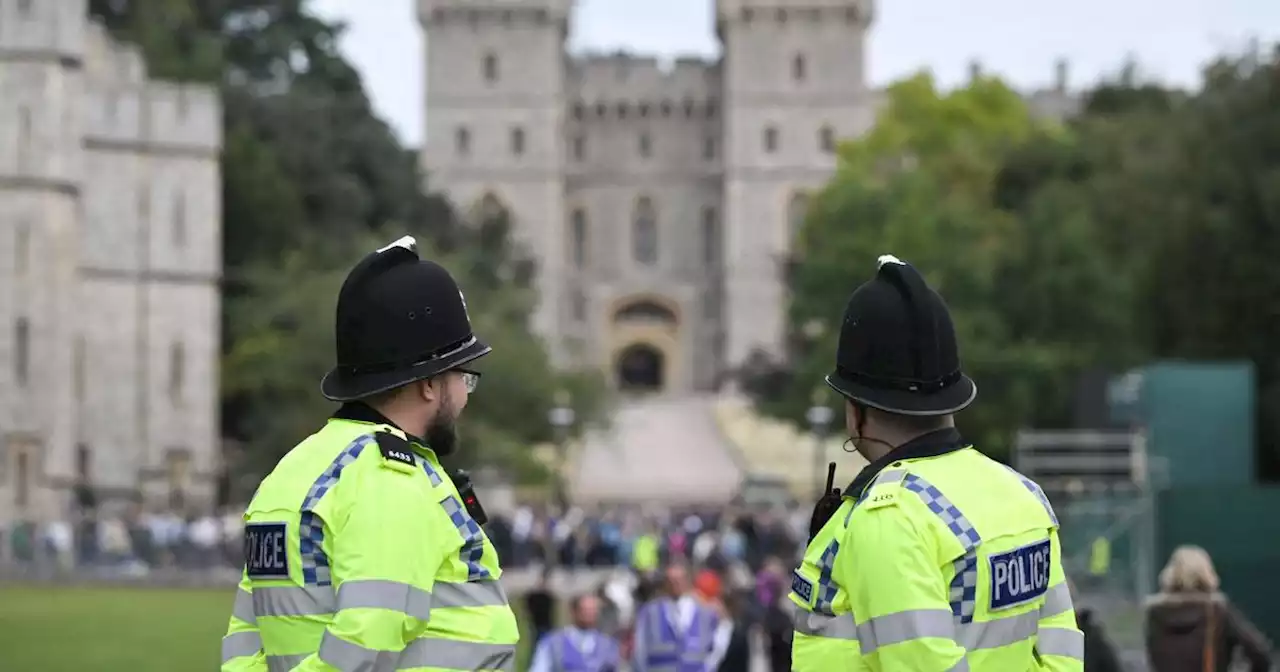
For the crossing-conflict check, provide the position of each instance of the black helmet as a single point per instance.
(399, 319)
(897, 349)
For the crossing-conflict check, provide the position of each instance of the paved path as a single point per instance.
(665, 449)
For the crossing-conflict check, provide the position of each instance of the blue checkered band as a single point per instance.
(1035, 490)
(472, 538)
(964, 587)
(315, 564)
(432, 474)
(827, 588)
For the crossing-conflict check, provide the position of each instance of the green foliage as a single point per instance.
(1145, 228)
(311, 180)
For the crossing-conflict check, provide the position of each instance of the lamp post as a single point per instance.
(819, 417)
(561, 418)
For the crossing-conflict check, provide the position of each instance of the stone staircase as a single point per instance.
(660, 449)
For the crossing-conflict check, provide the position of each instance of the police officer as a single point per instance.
(938, 557)
(360, 553)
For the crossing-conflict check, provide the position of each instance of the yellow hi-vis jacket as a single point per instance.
(938, 559)
(360, 555)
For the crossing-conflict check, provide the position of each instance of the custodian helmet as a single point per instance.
(897, 349)
(399, 319)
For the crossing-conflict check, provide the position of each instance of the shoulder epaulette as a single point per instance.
(396, 453)
(884, 490)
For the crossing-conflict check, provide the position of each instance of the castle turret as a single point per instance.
(495, 82)
(794, 84)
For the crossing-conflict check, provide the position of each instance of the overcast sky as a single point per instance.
(1020, 39)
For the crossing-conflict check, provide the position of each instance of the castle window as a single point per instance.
(782, 16)
(24, 136)
(666, 108)
(84, 462)
(644, 110)
(644, 233)
(22, 493)
(827, 139)
(517, 141)
(579, 111)
(462, 141)
(177, 371)
(180, 220)
(24, 7)
(770, 139)
(21, 351)
(711, 109)
(578, 306)
(490, 68)
(578, 238)
(78, 368)
(710, 236)
(798, 69)
(601, 110)
(22, 248)
(622, 110)
(708, 149)
(579, 147)
(646, 145)
(688, 108)
(797, 210)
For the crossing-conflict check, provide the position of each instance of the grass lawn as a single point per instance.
(74, 629)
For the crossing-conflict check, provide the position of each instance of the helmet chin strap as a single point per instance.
(860, 435)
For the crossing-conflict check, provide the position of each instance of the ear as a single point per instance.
(430, 389)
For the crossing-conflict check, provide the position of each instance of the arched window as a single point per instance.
(798, 68)
(24, 136)
(644, 233)
(517, 141)
(770, 139)
(797, 210)
(490, 68)
(21, 351)
(645, 311)
(462, 141)
(827, 139)
(710, 236)
(177, 371)
(578, 238)
(180, 219)
(491, 207)
(646, 145)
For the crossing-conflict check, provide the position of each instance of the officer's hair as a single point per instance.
(912, 424)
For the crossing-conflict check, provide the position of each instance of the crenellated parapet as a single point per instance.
(433, 13)
(730, 13)
(622, 86)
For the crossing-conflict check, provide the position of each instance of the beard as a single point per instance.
(441, 433)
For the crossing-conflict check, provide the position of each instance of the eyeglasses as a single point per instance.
(469, 378)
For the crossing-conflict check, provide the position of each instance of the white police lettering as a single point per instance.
(407, 242)
(266, 554)
(1019, 576)
(400, 455)
(802, 587)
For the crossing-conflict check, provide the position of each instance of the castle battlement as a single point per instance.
(786, 11)
(437, 12)
(53, 28)
(622, 78)
(107, 60)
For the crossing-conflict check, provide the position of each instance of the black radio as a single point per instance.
(467, 491)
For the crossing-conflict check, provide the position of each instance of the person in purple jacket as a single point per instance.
(580, 647)
(677, 633)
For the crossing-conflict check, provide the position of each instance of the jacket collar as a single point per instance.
(933, 444)
(358, 411)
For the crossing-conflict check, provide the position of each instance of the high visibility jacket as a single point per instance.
(644, 554)
(359, 555)
(663, 644)
(938, 558)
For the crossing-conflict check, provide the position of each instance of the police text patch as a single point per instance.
(395, 449)
(266, 554)
(802, 587)
(1019, 576)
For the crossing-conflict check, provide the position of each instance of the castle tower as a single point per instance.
(40, 78)
(495, 80)
(794, 84)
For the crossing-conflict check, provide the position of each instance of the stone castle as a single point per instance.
(659, 200)
(109, 269)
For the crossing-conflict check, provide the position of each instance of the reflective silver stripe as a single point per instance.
(838, 626)
(1000, 632)
(349, 657)
(293, 600)
(962, 666)
(1057, 601)
(391, 595)
(239, 644)
(1061, 642)
(284, 663)
(484, 593)
(905, 626)
(453, 654)
(243, 609)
